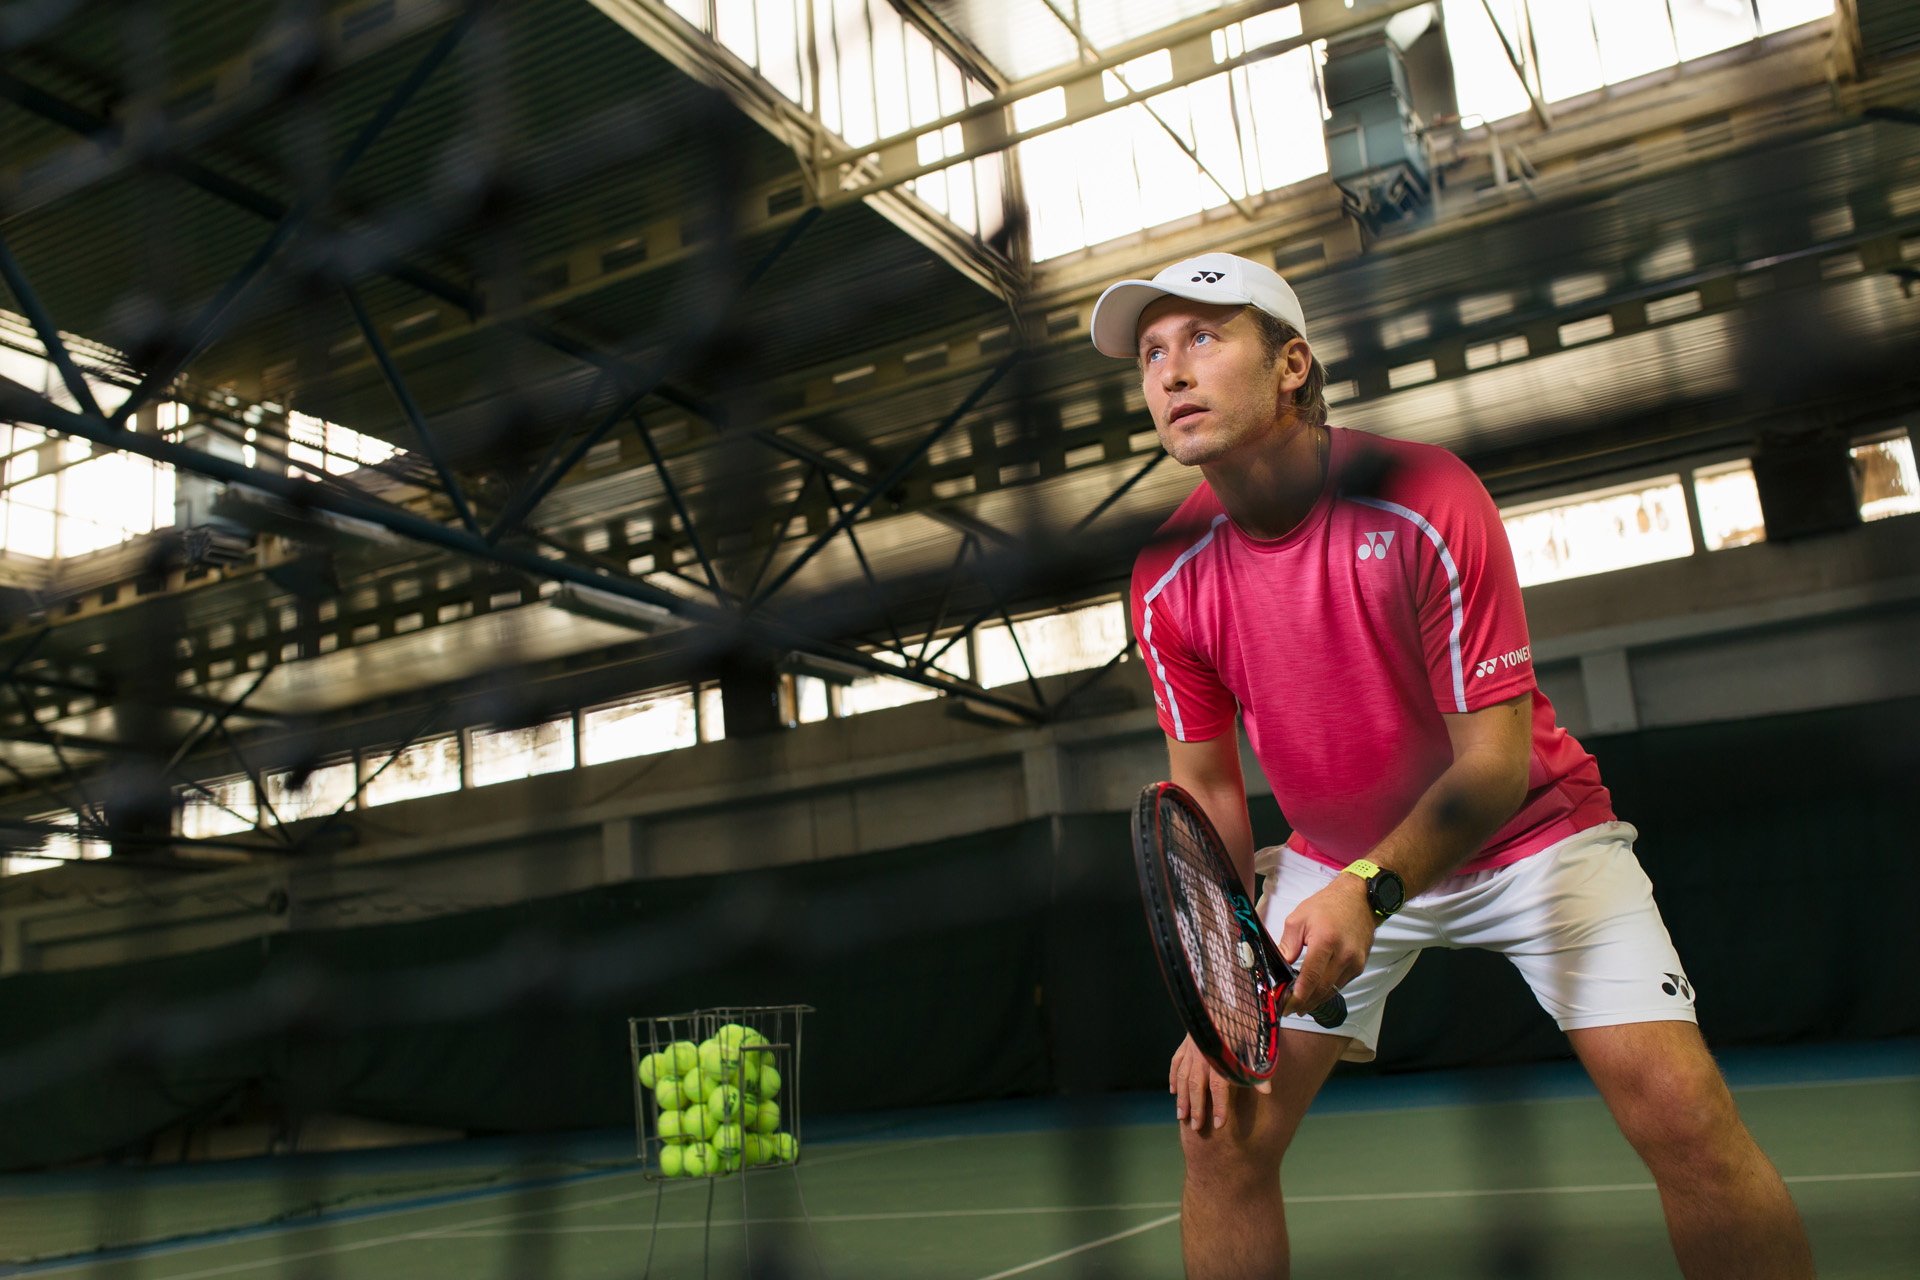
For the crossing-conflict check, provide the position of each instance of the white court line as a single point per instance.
(1037, 1263)
(908, 1215)
(428, 1233)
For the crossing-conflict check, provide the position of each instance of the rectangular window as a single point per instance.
(57, 848)
(1616, 528)
(713, 714)
(810, 699)
(225, 806)
(324, 790)
(427, 768)
(1077, 640)
(637, 727)
(1729, 505)
(1888, 484)
(502, 755)
(327, 447)
(878, 693)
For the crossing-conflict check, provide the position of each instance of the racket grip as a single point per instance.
(1332, 1013)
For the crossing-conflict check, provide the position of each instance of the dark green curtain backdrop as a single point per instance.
(1012, 962)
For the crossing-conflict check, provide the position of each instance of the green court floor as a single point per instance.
(1467, 1186)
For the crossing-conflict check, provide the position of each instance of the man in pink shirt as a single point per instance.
(1353, 600)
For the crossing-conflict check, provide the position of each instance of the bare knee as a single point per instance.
(1676, 1111)
(1246, 1151)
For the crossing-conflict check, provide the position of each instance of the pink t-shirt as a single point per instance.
(1342, 644)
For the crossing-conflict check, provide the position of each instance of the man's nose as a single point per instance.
(1174, 374)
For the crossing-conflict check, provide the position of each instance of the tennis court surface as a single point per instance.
(1492, 1172)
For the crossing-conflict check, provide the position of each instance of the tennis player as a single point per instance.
(1353, 600)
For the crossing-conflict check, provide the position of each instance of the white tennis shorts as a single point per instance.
(1577, 919)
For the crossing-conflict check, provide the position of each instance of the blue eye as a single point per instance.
(1199, 338)
(1154, 355)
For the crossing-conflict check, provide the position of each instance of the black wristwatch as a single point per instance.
(1386, 892)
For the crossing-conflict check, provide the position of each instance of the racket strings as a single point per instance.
(1239, 1002)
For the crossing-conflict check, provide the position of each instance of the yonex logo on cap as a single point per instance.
(1208, 277)
(1376, 545)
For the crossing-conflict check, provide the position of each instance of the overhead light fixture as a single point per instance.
(605, 606)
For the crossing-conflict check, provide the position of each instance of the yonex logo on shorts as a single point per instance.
(1677, 985)
(1376, 545)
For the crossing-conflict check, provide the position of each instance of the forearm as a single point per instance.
(1224, 797)
(1464, 806)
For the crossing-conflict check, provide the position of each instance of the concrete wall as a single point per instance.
(1723, 636)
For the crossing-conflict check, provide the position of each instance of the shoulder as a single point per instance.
(1187, 529)
(1420, 482)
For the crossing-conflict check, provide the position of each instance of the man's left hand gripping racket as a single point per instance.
(1227, 977)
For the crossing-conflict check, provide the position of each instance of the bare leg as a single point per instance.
(1233, 1225)
(1728, 1212)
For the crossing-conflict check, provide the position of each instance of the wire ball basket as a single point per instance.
(717, 1091)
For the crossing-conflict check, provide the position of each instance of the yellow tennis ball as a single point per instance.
(698, 1122)
(695, 1086)
(729, 1140)
(725, 1099)
(672, 1160)
(753, 1149)
(769, 1081)
(710, 1057)
(768, 1118)
(672, 1095)
(749, 1112)
(786, 1147)
(650, 1070)
(699, 1160)
(730, 1164)
(669, 1125)
(685, 1055)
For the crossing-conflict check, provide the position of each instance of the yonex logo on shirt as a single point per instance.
(1376, 545)
(1512, 658)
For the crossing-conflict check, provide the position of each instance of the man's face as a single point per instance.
(1208, 381)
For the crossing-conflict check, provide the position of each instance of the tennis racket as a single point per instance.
(1226, 976)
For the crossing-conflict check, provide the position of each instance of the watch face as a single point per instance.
(1389, 894)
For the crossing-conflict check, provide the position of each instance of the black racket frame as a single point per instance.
(1156, 896)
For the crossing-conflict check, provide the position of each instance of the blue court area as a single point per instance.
(1470, 1173)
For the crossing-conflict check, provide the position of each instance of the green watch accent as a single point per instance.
(1386, 892)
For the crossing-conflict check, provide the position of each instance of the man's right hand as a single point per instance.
(1199, 1092)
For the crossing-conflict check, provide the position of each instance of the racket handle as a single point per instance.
(1332, 1013)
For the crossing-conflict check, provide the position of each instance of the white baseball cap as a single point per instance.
(1211, 277)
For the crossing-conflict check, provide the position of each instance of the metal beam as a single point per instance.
(893, 477)
(43, 328)
(22, 404)
(671, 36)
(407, 406)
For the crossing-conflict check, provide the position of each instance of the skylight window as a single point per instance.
(60, 847)
(328, 447)
(1571, 47)
(1251, 130)
(879, 76)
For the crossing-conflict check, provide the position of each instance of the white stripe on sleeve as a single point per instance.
(1146, 631)
(1453, 585)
